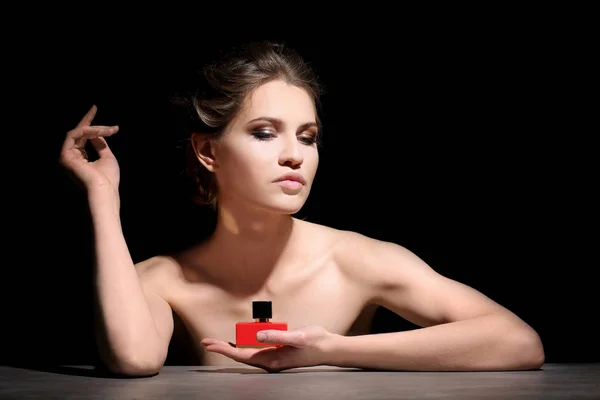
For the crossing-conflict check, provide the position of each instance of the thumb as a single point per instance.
(288, 338)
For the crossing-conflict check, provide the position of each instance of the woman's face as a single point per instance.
(274, 135)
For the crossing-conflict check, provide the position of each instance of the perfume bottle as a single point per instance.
(245, 332)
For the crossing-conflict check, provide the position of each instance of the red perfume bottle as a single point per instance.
(245, 332)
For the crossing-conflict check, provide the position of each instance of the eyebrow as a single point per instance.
(279, 122)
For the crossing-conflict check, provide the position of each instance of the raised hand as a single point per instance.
(92, 175)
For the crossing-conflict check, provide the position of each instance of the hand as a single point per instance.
(301, 348)
(104, 172)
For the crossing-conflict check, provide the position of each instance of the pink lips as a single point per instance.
(294, 185)
(291, 180)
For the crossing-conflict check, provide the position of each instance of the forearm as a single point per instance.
(492, 342)
(126, 331)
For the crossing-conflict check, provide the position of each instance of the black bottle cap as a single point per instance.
(262, 309)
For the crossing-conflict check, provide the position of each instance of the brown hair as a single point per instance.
(226, 83)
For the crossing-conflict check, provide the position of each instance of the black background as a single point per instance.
(465, 139)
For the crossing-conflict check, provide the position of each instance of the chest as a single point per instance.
(325, 299)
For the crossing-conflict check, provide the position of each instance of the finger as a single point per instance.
(88, 117)
(92, 131)
(101, 147)
(227, 349)
(214, 342)
(288, 338)
(78, 137)
(209, 341)
(255, 357)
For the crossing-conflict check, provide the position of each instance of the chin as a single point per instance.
(289, 205)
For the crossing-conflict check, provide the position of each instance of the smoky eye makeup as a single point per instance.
(309, 139)
(266, 129)
(262, 135)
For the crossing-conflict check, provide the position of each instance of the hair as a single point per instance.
(226, 84)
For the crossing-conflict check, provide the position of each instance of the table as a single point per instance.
(553, 381)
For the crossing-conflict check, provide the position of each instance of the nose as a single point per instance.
(291, 152)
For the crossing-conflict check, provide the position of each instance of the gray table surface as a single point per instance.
(553, 381)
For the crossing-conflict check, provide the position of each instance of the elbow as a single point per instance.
(136, 367)
(527, 349)
(125, 359)
(132, 365)
(536, 355)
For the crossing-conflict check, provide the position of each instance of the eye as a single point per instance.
(308, 140)
(262, 135)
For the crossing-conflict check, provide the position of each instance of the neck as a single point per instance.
(250, 243)
(246, 226)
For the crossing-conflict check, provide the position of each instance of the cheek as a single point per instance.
(311, 162)
(244, 166)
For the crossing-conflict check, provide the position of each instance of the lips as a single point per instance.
(292, 176)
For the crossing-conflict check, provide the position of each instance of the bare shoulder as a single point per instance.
(318, 231)
(360, 256)
(158, 273)
(378, 263)
(365, 258)
(395, 277)
(160, 265)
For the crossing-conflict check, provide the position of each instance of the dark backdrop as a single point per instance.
(466, 143)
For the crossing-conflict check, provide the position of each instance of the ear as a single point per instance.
(204, 148)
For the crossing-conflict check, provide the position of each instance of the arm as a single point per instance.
(133, 324)
(462, 330)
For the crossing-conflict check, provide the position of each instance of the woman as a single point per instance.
(254, 155)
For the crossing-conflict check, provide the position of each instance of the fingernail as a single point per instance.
(260, 336)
